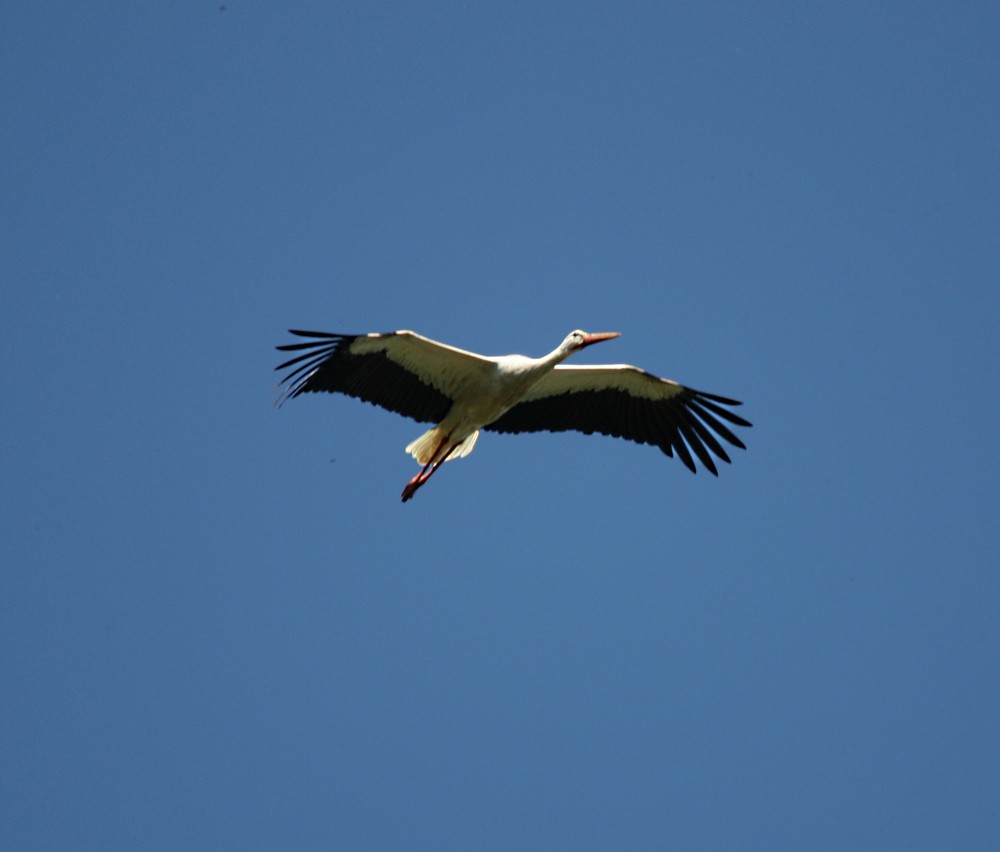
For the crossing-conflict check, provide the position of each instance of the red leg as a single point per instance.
(428, 469)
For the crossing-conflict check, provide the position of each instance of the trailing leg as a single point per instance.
(439, 456)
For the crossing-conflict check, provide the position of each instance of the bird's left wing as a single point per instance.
(401, 371)
(626, 402)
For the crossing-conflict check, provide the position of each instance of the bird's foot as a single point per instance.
(411, 487)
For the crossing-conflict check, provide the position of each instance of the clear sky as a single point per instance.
(221, 628)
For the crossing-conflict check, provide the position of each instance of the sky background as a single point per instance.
(220, 627)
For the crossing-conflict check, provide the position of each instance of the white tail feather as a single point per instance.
(463, 449)
(422, 449)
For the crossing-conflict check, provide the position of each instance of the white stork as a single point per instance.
(463, 393)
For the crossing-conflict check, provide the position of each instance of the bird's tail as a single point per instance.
(426, 445)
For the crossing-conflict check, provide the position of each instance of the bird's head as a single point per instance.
(577, 340)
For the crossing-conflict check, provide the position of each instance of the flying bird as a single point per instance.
(464, 393)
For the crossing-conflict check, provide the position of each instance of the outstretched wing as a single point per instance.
(400, 371)
(626, 402)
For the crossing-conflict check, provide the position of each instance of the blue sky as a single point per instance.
(220, 627)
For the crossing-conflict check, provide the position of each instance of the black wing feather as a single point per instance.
(687, 422)
(328, 366)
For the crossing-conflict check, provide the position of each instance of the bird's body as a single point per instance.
(464, 392)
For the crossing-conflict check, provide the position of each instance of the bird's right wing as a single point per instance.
(400, 371)
(626, 402)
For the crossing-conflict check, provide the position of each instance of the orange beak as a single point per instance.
(597, 338)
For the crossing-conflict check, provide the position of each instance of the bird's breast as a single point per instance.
(490, 400)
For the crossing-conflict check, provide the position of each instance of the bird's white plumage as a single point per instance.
(583, 378)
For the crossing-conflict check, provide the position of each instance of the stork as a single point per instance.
(464, 393)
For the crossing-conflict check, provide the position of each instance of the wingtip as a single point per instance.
(298, 332)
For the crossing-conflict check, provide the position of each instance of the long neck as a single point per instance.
(556, 356)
